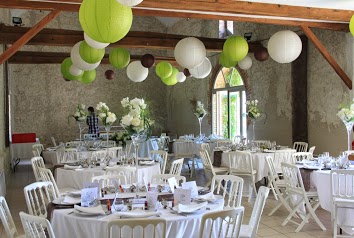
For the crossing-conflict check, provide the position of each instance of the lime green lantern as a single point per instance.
(88, 77)
(164, 69)
(105, 21)
(225, 61)
(235, 48)
(172, 79)
(119, 57)
(89, 54)
(65, 70)
(351, 25)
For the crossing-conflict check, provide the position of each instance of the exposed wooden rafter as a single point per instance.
(327, 56)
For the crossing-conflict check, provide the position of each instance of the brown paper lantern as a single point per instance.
(109, 74)
(147, 60)
(261, 54)
(186, 73)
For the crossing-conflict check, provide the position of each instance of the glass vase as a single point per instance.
(253, 130)
(349, 127)
(81, 128)
(107, 128)
(138, 139)
(200, 120)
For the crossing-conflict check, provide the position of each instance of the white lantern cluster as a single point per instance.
(202, 70)
(246, 63)
(190, 52)
(78, 61)
(94, 44)
(181, 77)
(136, 72)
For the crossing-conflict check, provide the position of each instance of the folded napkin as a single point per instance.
(191, 207)
(138, 214)
(90, 210)
(206, 197)
(71, 200)
(72, 167)
(311, 166)
(269, 151)
(52, 148)
(147, 162)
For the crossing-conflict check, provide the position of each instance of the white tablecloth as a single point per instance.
(178, 226)
(144, 148)
(77, 178)
(51, 156)
(22, 150)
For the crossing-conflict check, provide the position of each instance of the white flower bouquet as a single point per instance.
(80, 113)
(107, 118)
(199, 110)
(346, 113)
(253, 111)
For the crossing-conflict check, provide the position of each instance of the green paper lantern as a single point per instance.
(351, 25)
(65, 70)
(172, 79)
(119, 57)
(235, 48)
(89, 54)
(164, 69)
(105, 21)
(225, 61)
(88, 77)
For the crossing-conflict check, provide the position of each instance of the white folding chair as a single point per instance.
(160, 156)
(206, 146)
(99, 155)
(70, 155)
(185, 149)
(36, 227)
(37, 162)
(282, 156)
(128, 172)
(115, 152)
(107, 179)
(312, 149)
(35, 153)
(241, 165)
(209, 169)
(163, 178)
(250, 230)
(223, 143)
(296, 189)
(300, 146)
(137, 227)
(6, 219)
(38, 147)
(300, 156)
(53, 141)
(176, 167)
(342, 190)
(222, 223)
(234, 190)
(37, 196)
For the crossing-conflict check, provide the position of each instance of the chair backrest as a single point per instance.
(36, 227)
(107, 179)
(47, 176)
(128, 172)
(240, 161)
(312, 149)
(160, 156)
(221, 143)
(283, 156)
(37, 196)
(342, 183)
(38, 147)
(163, 178)
(207, 165)
(300, 156)
(257, 211)
(60, 153)
(154, 227)
(228, 221)
(234, 190)
(176, 166)
(108, 144)
(53, 141)
(35, 153)
(37, 162)
(273, 174)
(71, 155)
(99, 155)
(300, 146)
(238, 139)
(206, 146)
(115, 152)
(163, 142)
(293, 179)
(6, 219)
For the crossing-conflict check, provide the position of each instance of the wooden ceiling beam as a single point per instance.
(148, 40)
(21, 41)
(325, 53)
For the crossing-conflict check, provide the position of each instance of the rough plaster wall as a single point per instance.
(42, 100)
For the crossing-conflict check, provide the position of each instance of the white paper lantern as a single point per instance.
(75, 70)
(78, 61)
(129, 3)
(136, 72)
(189, 52)
(93, 43)
(202, 70)
(181, 77)
(284, 46)
(246, 63)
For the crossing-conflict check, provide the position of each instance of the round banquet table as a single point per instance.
(67, 225)
(51, 156)
(321, 179)
(77, 178)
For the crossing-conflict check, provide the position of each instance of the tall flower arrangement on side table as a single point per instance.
(80, 116)
(200, 113)
(346, 114)
(253, 113)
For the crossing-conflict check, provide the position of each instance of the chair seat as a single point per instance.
(221, 169)
(246, 231)
(312, 193)
(280, 183)
(242, 172)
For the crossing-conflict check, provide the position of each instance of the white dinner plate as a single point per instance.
(86, 214)
(216, 199)
(175, 208)
(59, 201)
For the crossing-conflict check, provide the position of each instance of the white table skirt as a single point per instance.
(192, 148)
(22, 150)
(77, 178)
(66, 226)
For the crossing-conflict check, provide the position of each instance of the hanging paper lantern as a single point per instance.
(147, 60)
(88, 77)
(93, 43)
(67, 80)
(78, 61)
(171, 80)
(235, 48)
(202, 70)
(246, 63)
(136, 72)
(105, 21)
(109, 74)
(351, 25)
(89, 54)
(284, 46)
(65, 70)
(261, 54)
(75, 71)
(186, 73)
(190, 52)
(119, 57)
(180, 77)
(164, 69)
(130, 3)
(225, 61)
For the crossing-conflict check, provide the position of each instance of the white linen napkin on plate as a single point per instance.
(90, 210)
(71, 200)
(138, 214)
(72, 167)
(206, 197)
(191, 207)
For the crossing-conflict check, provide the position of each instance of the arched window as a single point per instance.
(228, 104)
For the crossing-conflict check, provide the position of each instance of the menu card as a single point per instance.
(172, 182)
(88, 197)
(151, 198)
(192, 186)
(182, 196)
(93, 185)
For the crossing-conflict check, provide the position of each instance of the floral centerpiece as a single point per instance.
(200, 112)
(253, 111)
(121, 137)
(80, 116)
(107, 118)
(346, 114)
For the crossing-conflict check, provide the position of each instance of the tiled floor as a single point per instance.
(269, 227)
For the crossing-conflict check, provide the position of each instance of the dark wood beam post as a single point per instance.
(28, 35)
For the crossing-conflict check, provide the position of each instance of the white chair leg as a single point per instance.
(334, 221)
(314, 216)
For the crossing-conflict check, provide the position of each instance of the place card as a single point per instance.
(172, 182)
(151, 198)
(138, 203)
(192, 185)
(88, 197)
(182, 196)
(93, 185)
